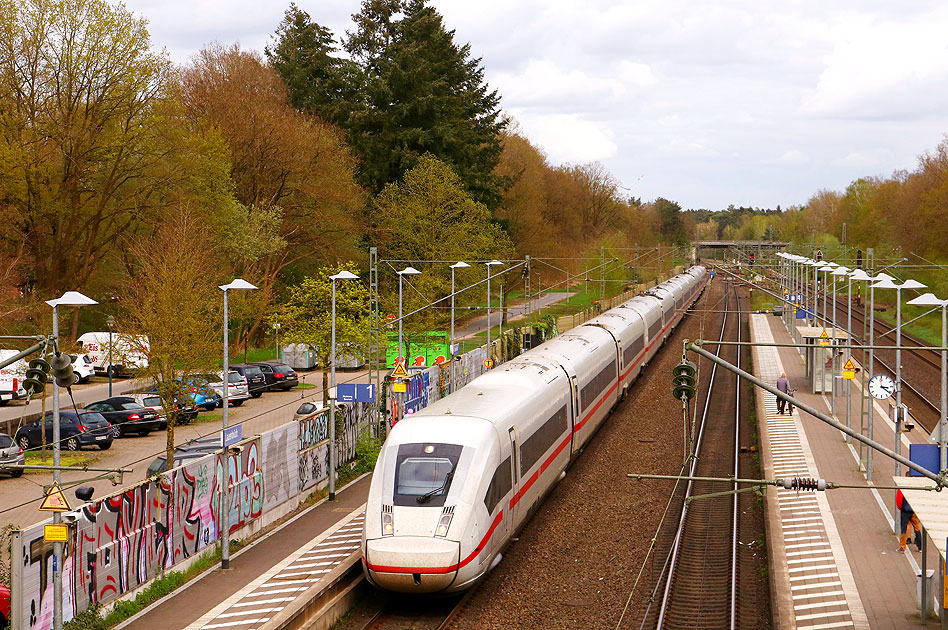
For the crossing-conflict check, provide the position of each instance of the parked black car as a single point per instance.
(129, 416)
(76, 430)
(256, 381)
(278, 375)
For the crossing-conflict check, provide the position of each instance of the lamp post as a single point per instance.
(889, 284)
(929, 299)
(342, 275)
(238, 283)
(69, 298)
(276, 329)
(458, 265)
(489, 265)
(110, 322)
(827, 269)
(838, 271)
(816, 286)
(407, 271)
(861, 276)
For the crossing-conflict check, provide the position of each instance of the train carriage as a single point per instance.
(457, 479)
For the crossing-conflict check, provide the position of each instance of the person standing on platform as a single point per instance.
(783, 385)
(908, 518)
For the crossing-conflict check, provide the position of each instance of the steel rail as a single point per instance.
(676, 545)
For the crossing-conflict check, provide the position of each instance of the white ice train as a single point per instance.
(457, 479)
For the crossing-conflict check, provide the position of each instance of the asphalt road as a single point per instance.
(514, 312)
(21, 496)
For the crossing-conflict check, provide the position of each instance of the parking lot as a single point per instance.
(22, 496)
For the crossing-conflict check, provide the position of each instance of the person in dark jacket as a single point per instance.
(908, 518)
(783, 385)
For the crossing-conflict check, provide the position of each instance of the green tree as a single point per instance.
(431, 215)
(293, 175)
(91, 145)
(306, 316)
(422, 93)
(671, 227)
(317, 80)
(171, 297)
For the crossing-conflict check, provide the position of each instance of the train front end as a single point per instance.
(421, 530)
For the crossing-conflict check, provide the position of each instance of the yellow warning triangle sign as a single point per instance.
(823, 335)
(55, 500)
(849, 365)
(399, 371)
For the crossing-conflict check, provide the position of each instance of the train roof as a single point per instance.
(499, 393)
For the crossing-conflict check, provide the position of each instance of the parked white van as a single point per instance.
(128, 352)
(11, 378)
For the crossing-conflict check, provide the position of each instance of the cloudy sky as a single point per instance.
(705, 103)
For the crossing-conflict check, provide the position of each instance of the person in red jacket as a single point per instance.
(908, 518)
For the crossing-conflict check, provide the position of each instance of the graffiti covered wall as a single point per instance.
(120, 542)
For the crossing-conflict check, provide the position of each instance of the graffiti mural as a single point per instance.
(120, 542)
(313, 450)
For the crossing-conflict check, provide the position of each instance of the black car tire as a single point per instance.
(72, 444)
(286, 389)
(143, 433)
(236, 403)
(24, 443)
(76, 379)
(16, 473)
(257, 394)
(105, 447)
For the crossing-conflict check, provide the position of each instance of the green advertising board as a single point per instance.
(424, 349)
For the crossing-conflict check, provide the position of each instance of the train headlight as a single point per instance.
(444, 523)
(388, 521)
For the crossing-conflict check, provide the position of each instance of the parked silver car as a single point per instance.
(237, 391)
(11, 453)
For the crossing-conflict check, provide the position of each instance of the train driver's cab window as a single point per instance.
(424, 473)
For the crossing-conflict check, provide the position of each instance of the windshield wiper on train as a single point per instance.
(427, 496)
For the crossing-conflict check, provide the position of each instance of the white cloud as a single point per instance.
(883, 69)
(793, 157)
(717, 102)
(568, 137)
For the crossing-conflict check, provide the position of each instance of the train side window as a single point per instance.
(633, 350)
(542, 439)
(654, 329)
(500, 485)
(595, 387)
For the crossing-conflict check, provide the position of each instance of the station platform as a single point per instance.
(272, 574)
(834, 556)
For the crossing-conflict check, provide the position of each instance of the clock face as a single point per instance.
(881, 386)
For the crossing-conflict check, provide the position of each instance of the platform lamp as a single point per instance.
(458, 265)
(489, 265)
(861, 276)
(342, 275)
(890, 284)
(838, 271)
(816, 287)
(243, 285)
(827, 269)
(929, 299)
(69, 298)
(110, 322)
(407, 271)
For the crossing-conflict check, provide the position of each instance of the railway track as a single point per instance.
(414, 614)
(700, 586)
